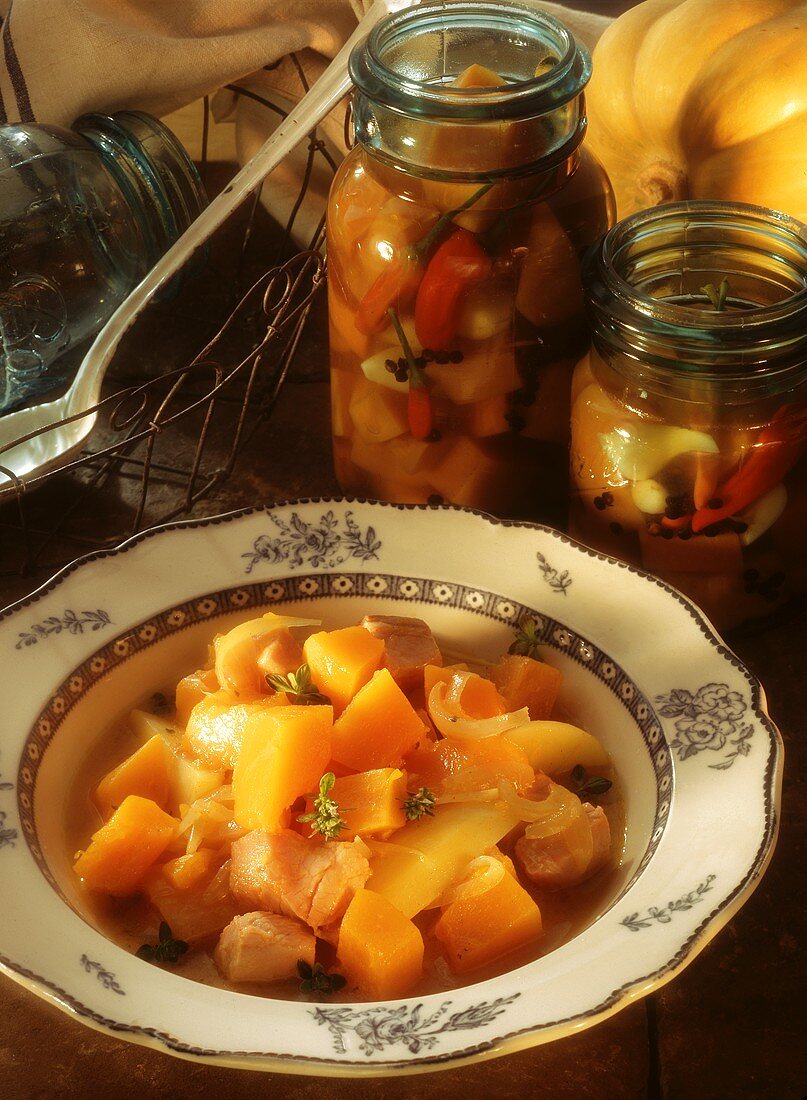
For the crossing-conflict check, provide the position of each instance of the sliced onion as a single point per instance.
(481, 875)
(490, 794)
(550, 815)
(445, 709)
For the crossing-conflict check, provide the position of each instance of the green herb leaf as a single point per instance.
(587, 787)
(326, 817)
(419, 803)
(527, 642)
(315, 979)
(167, 950)
(300, 686)
(717, 295)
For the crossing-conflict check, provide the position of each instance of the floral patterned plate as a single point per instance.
(699, 760)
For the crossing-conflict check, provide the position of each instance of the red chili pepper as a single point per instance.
(459, 263)
(419, 412)
(776, 451)
(397, 284)
(677, 524)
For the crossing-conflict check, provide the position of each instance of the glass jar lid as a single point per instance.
(405, 73)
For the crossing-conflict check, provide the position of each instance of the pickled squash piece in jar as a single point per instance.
(380, 951)
(550, 290)
(284, 752)
(479, 929)
(121, 852)
(378, 727)
(147, 772)
(342, 662)
(525, 682)
(377, 413)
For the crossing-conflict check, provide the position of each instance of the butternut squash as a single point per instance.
(369, 802)
(524, 682)
(479, 929)
(186, 871)
(191, 689)
(216, 727)
(147, 772)
(380, 951)
(723, 117)
(198, 912)
(284, 752)
(378, 727)
(450, 767)
(342, 661)
(121, 852)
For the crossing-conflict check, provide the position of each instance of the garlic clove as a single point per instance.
(649, 496)
(640, 451)
(763, 514)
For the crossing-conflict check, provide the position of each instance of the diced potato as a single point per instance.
(377, 413)
(419, 862)
(190, 690)
(380, 950)
(408, 454)
(121, 852)
(370, 802)
(145, 726)
(190, 780)
(197, 913)
(342, 661)
(524, 682)
(147, 772)
(284, 752)
(189, 870)
(556, 747)
(487, 371)
(378, 727)
(480, 929)
(468, 475)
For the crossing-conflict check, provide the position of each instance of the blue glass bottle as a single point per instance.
(84, 214)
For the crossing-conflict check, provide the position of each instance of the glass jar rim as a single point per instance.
(670, 340)
(539, 95)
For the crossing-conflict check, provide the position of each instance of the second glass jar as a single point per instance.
(455, 230)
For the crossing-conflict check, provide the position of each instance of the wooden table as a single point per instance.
(731, 1026)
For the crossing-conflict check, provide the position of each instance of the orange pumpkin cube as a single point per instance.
(477, 930)
(147, 772)
(452, 766)
(378, 727)
(186, 871)
(524, 682)
(216, 725)
(369, 802)
(380, 951)
(121, 852)
(284, 752)
(191, 689)
(342, 662)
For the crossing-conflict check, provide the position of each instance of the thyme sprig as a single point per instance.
(419, 803)
(717, 295)
(326, 818)
(526, 642)
(589, 786)
(299, 685)
(168, 950)
(315, 979)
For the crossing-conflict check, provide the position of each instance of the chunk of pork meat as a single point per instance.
(285, 873)
(263, 947)
(548, 861)
(280, 655)
(409, 647)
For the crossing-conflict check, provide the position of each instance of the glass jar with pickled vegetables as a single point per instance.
(689, 417)
(455, 230)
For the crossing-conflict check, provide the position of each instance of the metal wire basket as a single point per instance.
(156, 447)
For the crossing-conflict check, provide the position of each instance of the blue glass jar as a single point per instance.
(84, 214)
(455, 231)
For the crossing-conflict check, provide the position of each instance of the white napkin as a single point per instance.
(62, 58)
